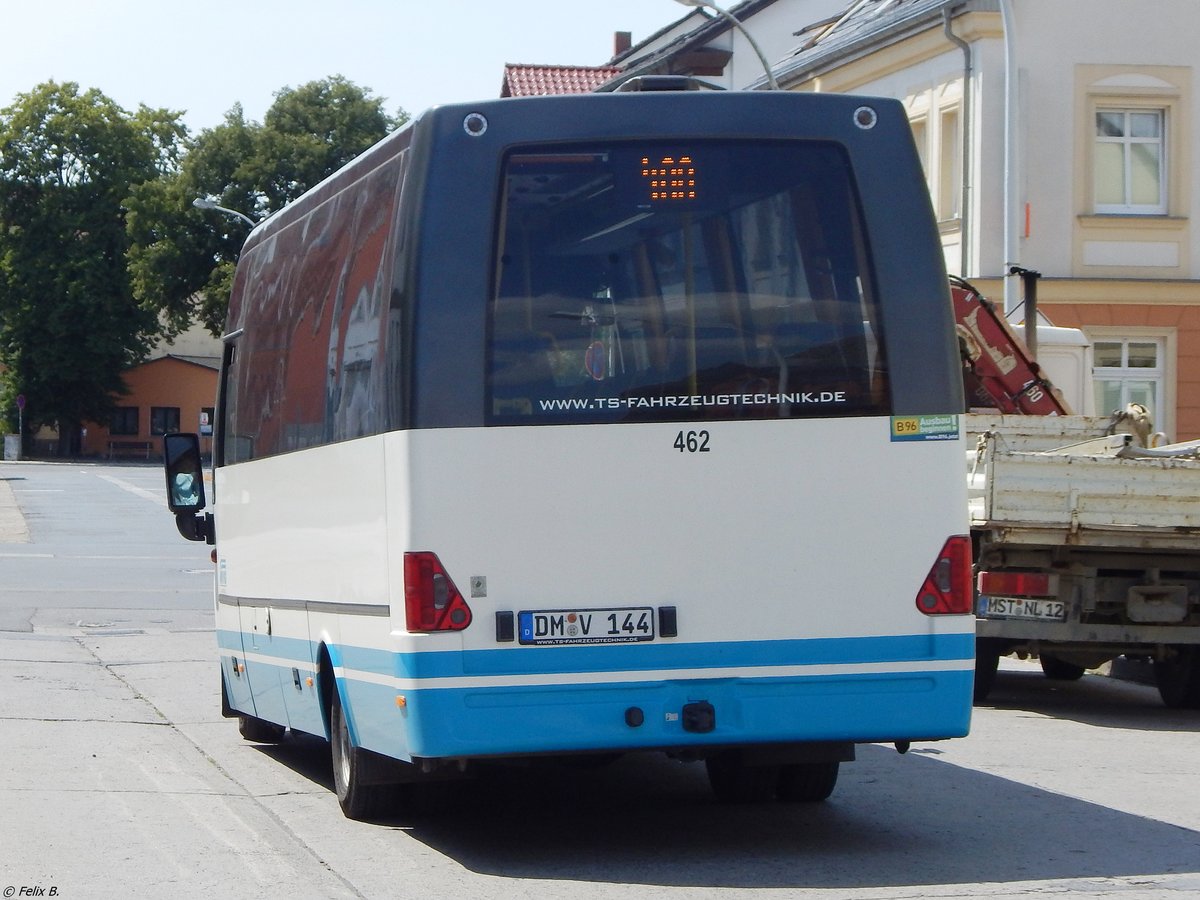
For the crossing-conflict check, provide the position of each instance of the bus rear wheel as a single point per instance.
(357, 772)
(733, 781)
(807, 782)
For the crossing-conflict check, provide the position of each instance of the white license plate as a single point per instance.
(1023, 608)
(586, 626)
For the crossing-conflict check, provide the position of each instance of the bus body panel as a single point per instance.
(744, 539)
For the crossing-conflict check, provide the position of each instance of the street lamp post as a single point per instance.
(205, 203)
(725, 14)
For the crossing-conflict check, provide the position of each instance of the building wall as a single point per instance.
(1178, 325)
(1111, 275)
(165, 382)
(1129, 54)
(1167, 311)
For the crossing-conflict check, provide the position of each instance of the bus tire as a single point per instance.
(259, 730)
(733, 781)
(355, 774)
(1178, 678)
(807, 782)
(1058, 670)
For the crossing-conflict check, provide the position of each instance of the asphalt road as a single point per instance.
(118, 778)
(92, 547)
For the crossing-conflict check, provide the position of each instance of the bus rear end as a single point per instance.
(681, 464)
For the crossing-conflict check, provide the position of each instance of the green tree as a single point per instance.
(311, 132)
(69, 323)
(182, 259)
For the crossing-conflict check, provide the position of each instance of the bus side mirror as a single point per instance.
(185, 486)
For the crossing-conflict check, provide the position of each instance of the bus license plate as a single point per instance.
(1025, 608)
(586, 626)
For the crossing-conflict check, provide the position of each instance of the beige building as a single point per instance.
(1058, 136)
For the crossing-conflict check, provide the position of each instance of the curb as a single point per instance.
(13, 529)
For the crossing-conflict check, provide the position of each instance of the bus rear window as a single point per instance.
(666, 282)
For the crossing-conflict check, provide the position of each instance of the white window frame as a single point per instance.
(1128, 142)
(935, 113)
(1161, 374)
(950, 137)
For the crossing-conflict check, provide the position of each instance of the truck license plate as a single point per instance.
(1023, 608)
(586, 626)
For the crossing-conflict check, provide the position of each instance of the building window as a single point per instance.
(949, 189)
(124, 421)
(164, 419)
(920, 130)
(1130, 162)
(1129, 370)
(935, 116)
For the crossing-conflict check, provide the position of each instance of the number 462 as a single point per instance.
(691, 442)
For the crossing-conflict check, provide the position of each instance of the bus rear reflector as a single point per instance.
(948, 589)
(431, 601)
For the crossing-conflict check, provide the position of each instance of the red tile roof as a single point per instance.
(529, 81)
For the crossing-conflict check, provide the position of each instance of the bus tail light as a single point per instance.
(431, 601)
(947, 589)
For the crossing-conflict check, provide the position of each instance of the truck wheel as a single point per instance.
(259, 730)
(987, 661)
(1059, 670)
(807, 782)
(1178, 678)
(359, 794)
(733, 781)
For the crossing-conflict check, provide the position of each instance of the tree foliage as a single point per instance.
(101, 249)
(182, 259)
(68, 321)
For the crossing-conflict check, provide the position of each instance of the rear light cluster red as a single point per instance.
(947, 589)
(431, 601)
(1016, 584)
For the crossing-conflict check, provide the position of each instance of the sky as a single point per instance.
(200, 58)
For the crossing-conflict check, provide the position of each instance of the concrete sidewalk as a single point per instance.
(121, 779)
(13, 529)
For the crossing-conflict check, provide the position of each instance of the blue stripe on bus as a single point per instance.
(617, 657)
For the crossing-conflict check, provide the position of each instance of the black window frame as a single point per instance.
(119, 422)
(171, 415)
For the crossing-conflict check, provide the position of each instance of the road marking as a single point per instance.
(153, 496)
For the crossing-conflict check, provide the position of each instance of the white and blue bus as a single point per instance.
(590, 425)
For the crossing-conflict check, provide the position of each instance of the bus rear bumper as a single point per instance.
(699, 714)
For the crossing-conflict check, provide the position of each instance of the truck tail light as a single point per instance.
(431, 601)
(1015, 584)
(947, 589)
